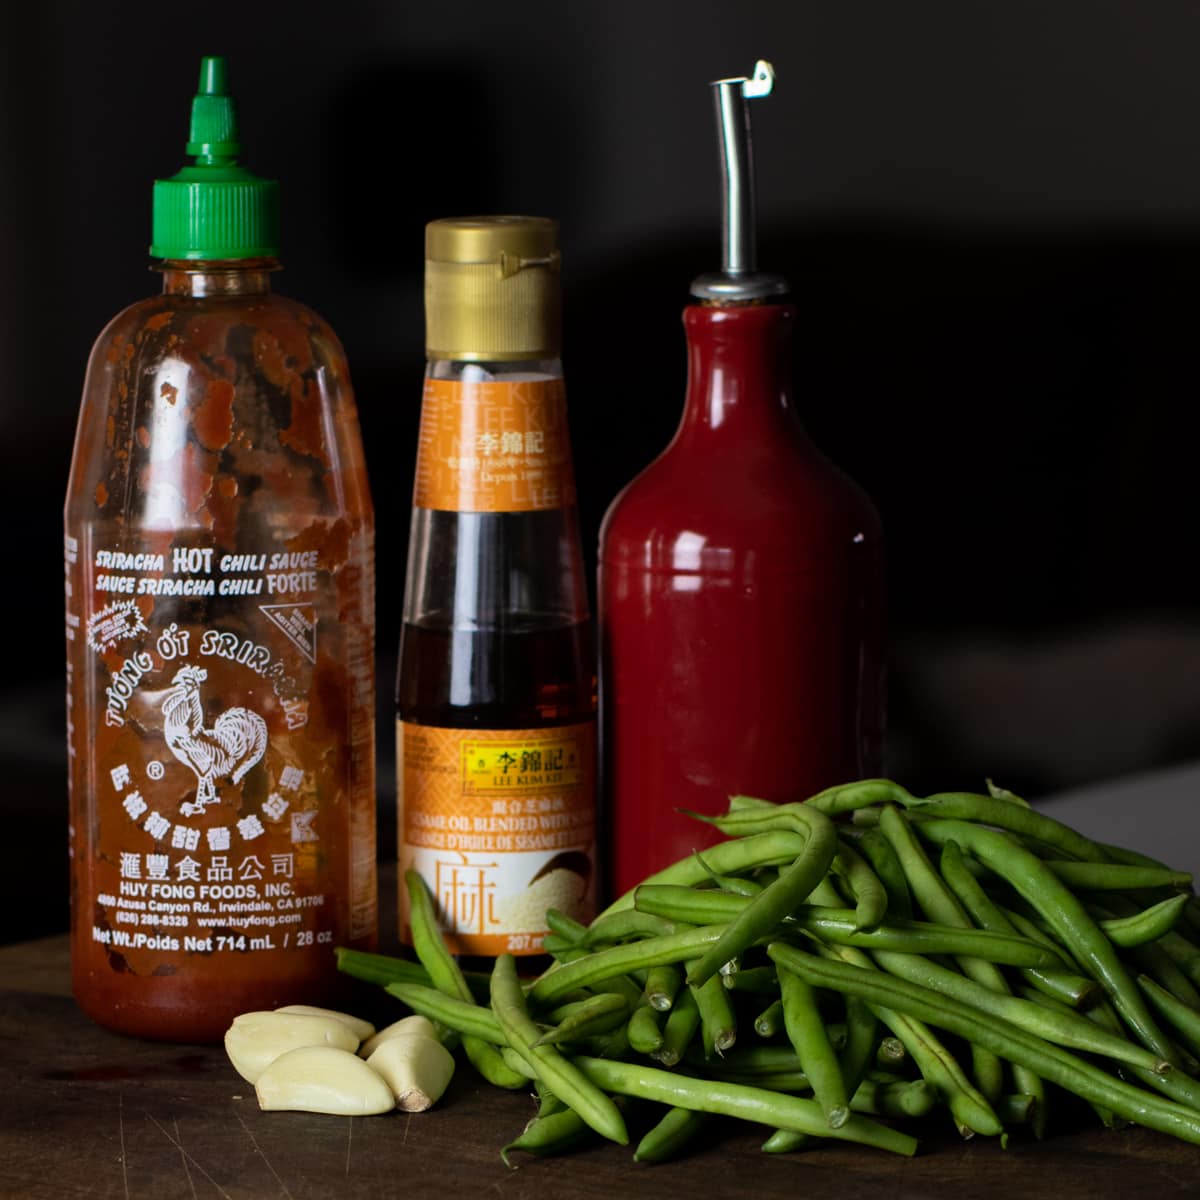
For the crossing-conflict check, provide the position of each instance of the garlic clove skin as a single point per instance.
(257, 1039)
(322, 1079)
(360, 1028)
(416, 1068)
(421, 1026)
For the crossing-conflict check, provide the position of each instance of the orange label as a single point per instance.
(501, 824)
(494, 447)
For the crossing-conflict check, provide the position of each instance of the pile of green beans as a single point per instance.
(843, 968)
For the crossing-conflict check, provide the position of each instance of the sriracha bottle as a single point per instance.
(740, 592)
(219, 557)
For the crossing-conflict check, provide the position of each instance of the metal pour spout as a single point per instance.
(739, 279)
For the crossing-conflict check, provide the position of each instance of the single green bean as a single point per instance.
(732, 857)
(890, 1053)
(879, 853)
(1064, 913)
(718, 1022)
(1147, 925)
(560, 980)
(856, 1055)
(784, 1141)
(662, 985)
(870, 896)
(469, 1019)
(1000, 793)
(447, 977)
(585, 1018)
(1114, 877)
(846, 797)
(1049, 1061)
(765, 911)
(806, 1031)
(1028, 822)
(643, 1030)
(770, 1021)
(564, 926)
(762, 981)
(794, 1082)
(1184, 1019)
(384, 969)
(693, 905)
(1019, 1108)
(682, 1022)
(753, 1060)
(623, 926)
(559, 1074)
(734, 1100)
(676, 1131)
(736, 884)
(924, 937)
(548, 1102)
(552, 1134)
(911, 1099)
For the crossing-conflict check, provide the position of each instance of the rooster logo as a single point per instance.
(228, 750)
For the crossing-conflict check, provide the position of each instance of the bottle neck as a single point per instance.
(225, 277)
(739, 370)
(494, 372)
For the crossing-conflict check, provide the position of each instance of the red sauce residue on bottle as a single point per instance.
(740, 607)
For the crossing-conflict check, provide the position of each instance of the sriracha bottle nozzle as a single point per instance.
(214, 133)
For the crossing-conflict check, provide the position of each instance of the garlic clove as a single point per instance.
(256, 1039)
(360, 1028)
(417, 1069)
(323, 1079)
(422, 1026)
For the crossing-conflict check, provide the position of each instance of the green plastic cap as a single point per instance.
(213, 208)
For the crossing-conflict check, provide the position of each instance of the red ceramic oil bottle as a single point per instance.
(740, 592)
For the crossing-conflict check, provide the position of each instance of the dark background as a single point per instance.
(990, 214)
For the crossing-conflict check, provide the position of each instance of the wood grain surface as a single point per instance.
(87, 1113)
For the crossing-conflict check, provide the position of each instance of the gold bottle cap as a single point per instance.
(492, 288)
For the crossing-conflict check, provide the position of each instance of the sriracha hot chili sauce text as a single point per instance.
(740, 577)
(220, 627)
(496, 732)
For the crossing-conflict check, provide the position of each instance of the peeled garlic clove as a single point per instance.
(322, 1079)
(417, 1069)
(256, 1039)
(360, 1028)
(421, 1026)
